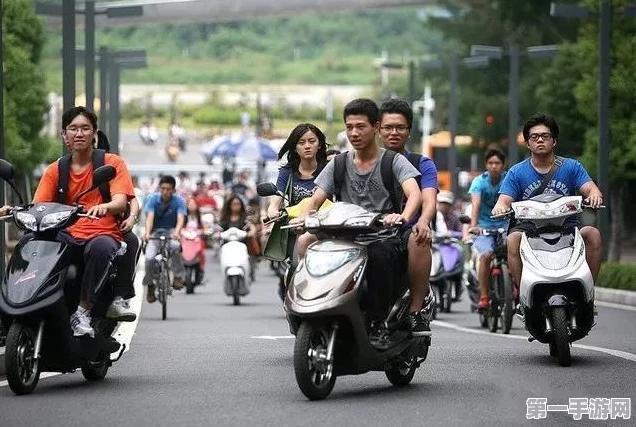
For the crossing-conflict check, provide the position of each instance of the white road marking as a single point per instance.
(42, 375)
(618, 353)
(614, 305)
(273, 337)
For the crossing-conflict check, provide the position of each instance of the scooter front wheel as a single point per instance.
(95, 371)
(23, 370)
(561, 337)
(314, 373)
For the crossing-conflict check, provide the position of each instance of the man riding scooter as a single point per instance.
(100, 239)
(360, 181)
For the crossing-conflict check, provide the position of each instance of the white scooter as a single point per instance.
(557, 289)
(235, 264)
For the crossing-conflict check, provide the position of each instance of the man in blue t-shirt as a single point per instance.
(483, 196)
(164, 211)
(541, 134)
(396, 118)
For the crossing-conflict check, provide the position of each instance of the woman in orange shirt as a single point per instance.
(98, 240)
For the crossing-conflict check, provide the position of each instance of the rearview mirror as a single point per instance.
(103, 174)
(7, 171)
(266, 189)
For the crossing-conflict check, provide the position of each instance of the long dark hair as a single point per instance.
(293, 159)
(225, 213)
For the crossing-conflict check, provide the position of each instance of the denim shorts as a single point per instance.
(483, 244)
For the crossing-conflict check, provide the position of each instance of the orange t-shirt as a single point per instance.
(86, 228)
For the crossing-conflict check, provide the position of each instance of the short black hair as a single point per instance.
(362, 107)
(398, 106)
(495, 152)
(73, 112)
(168, 179)
(541, 119)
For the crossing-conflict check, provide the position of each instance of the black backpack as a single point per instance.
(64, 172)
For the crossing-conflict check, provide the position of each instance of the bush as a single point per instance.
(210, 115)
(617, 276)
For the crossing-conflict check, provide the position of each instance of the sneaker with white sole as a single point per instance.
(119, 310)
(81, 323)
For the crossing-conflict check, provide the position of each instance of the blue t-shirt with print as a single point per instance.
(165, 215)
(483, 186)
(523, 179)
(301, 187)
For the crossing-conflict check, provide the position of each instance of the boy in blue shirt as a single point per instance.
(164, 211)
(483, 196)
(541, 134)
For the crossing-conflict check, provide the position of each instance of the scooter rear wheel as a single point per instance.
(403, 374)
(95, 371)
(190, 279)
(23, 369)
(314, 374)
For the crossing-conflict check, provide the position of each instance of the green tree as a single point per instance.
(24, 87)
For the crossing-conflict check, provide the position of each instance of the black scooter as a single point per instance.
(39, 292)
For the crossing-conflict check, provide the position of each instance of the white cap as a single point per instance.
(445, 197)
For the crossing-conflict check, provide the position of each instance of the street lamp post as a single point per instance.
(453, 63)
(514, 57)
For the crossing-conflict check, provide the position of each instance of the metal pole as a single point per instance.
(2, 229)
(513, 104)
(68, 53)
(452, 122)
(604, 116)
(89, 60)
(113, 106)
(103, 87)
(411, 98)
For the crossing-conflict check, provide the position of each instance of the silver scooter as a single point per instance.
(322, 304)
(557, 290)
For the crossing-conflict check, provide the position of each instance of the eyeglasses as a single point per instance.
(534, 137)
(391, 129)
(77, 129)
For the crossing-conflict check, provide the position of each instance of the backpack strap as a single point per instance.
(388, 179)
(339, 171)
(64, 173)
(99, 159)
(415, 160)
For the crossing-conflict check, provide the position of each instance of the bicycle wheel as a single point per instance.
(164, 288)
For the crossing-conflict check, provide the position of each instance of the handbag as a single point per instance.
(277, 242)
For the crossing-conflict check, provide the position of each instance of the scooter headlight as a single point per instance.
(53, 219)
(319, 263)
(27, 221)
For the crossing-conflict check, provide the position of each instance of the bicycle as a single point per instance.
(500, 291)
(162, 275)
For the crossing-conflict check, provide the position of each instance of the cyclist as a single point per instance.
(164, 211)
(483, 195)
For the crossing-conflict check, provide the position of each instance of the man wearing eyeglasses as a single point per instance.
(396, 119)
(524, 179)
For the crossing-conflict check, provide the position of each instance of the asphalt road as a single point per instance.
(212, 363)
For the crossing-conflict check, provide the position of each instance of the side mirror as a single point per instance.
(464, 219)
(266, 189)
(103, 174)
(7, 171)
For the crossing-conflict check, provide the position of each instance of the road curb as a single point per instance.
(616, 296)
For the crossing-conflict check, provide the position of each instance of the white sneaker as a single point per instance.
(119, 310)
(81, 323)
